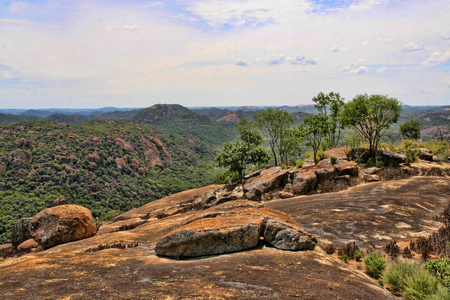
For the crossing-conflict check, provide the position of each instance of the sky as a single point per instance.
(97, 53)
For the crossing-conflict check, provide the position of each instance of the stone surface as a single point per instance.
(61, 224)
(340, 153)
(371, 177)
(268, 180)
(392, 159)
(211, 236)
(21, 232)
(372, 170)
(28, 245)
(287, 237)
(22, 155)
(345, 167)
(303, 182)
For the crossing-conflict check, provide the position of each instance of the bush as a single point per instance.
(320, 155)
(299, 163)
(333, 160)
(440, 269)
(358, 255)
(411, 155)
(344, 258)
(421, 285)
(109, 216)
(398, 273)
(375, 264)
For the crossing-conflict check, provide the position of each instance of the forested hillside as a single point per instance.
(102, 165)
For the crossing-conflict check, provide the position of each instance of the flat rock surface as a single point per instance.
(123, 264)
(371, 213)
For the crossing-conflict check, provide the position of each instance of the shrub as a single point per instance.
(320, 155)
(330, 249)
(344, 258)
(109, 216)
(392, 249)
(375, 264)
(358, 255)
(398, 273)
(299, 163)
(420, 285)
(411, 155)
(349, 250)
(440, 269)
(333, 160)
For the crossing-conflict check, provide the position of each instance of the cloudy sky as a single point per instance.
(208, 53)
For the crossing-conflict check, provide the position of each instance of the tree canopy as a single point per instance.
(369, 116)
(247, 150)
(276, 125)
(334, 103)
(313, 129)
(411, 129)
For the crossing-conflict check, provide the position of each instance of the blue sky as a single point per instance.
(215, 53)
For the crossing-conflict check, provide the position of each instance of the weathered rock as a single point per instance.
(208, 198)
(392, 159)
(59, 201)
(21, 232)
(303, 182)
(61, 224)
(284, 194)
(267, 180)
(340, 153)
(372, 170)
(121, 164)
(286, 237)
(28, 245)
(425, 155)
(120, 142)
(345, 167)
(371, 177)
(211, 236)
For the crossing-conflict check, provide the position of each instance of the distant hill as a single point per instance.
(174, 118)
(68, 119)
(9, 118)
(102, 165)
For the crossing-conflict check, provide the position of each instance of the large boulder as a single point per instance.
(56, 225)
(303, 182)
(22, 155)
(21, 232)
(233, 226)
(345, 167)
(266, 181)
(211, 236)
(392, 159)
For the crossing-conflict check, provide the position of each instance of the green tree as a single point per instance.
(411, 129)
(313, 129)
(335, 103)
(247, 150)
(276, 124)
(369, 116)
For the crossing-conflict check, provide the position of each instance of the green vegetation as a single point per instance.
(335, 104)
(440, 268)
(411, 129)
(411, 155)
(275, 125)
(177, 119)
(102, 165)
(313, 130)
(375, 264)
(369, 116)
(247, 150)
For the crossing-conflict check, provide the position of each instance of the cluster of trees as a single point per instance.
(367, 115)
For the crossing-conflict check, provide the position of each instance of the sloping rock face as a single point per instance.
(267, 180)
(56, 225)
(231, 227)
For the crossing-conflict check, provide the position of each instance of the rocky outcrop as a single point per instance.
(121, 143)
(231, 227)
(303, 182)
(267, 180)
(392, 159)
(151, 153)
(54, 226)
(121, 163)
(345, 167)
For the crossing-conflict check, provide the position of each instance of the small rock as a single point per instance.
(372, 170)
(371, 177)
(27, 245)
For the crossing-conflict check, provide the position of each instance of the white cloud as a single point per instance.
(445, 35)
(360, 5)
(275, 60)
(352, 69)
(238, 13)
(156, 4)
(131, 27)
(242, 63)
(382, 70)
(336, 48)
(438, 58)
(7, 74)
(412, 46)
(303, 61)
